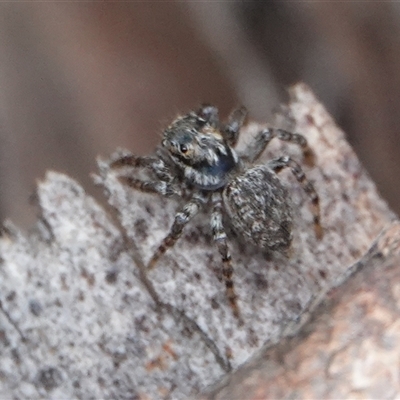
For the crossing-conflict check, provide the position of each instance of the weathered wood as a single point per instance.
(349, 345)
(80, 317)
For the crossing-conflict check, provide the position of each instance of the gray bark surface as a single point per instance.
(81, 318)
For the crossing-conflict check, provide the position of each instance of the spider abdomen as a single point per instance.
(258, 207)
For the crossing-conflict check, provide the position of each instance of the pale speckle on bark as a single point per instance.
(80, 317)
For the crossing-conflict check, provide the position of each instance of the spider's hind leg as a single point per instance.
(286, 162)
(220, 239)
(264, 137)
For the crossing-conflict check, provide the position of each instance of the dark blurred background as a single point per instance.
(80, 79)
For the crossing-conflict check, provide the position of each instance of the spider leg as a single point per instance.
(155, 164)
(220, 239)
(286, 162)
(262, 139)
(189, 210)
(209, 114)
(235, 122)
(158, 187)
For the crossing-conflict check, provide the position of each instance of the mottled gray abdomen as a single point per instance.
(258, 207)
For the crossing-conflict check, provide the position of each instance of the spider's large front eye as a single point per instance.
(183, 148)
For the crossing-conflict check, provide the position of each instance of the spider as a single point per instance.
(197, 161)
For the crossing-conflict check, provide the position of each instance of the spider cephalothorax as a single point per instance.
(197, 157)
(200, 150)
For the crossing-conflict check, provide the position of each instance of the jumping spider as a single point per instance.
(197, 161)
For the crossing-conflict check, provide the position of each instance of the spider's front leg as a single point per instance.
(286, 162)
(158, 187)
(232, 128)
(263, 138)
(220, 239)
(154, 163)
(189, 210)
(162, 186)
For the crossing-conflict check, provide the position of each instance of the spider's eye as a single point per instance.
(183, 148)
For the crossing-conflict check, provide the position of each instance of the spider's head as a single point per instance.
(198, 148)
